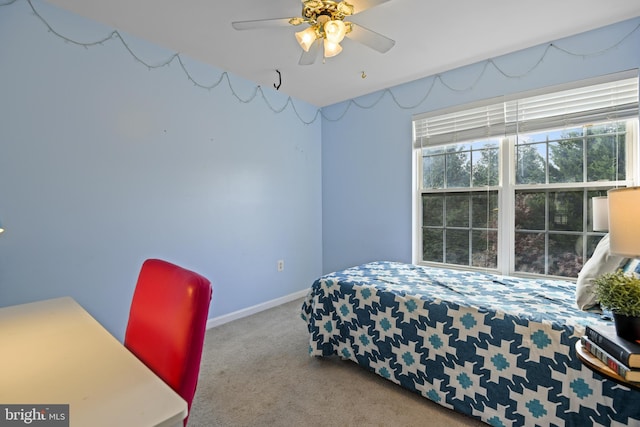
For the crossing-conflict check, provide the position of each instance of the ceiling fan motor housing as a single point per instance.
(326, 10)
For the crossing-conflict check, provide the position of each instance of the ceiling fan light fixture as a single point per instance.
(306, 38)
(326, 21)
(335, 31)
(331, 48)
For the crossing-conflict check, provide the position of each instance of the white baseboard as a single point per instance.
(221, 320)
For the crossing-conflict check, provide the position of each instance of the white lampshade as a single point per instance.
(306, 38)
(624, 221)
(331, 49)
(600, 211)
(335, 31)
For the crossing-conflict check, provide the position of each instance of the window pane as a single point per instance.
(458, 167)
(550, 135)
(606, 152)
(433, 210)
(531, 164)
(530, 210)
(484, 249)
(529, 252)
(458, 247)
(457, 210)
(433, 171)
(565, 210)
(592, 242)
(486, 167)
(484, 212)
(565, 255)
(432, 244)
(566, 161)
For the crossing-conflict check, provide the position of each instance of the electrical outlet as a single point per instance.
(280, 265)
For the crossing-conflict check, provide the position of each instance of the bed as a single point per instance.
(497, 348)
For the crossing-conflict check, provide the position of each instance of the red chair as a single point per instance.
(167, 323)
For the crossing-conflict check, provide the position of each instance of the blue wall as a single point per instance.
(105, 162)
(366, 143)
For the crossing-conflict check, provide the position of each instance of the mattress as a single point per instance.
(498, 348)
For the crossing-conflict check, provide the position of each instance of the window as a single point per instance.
(460, 227)
(506, 184)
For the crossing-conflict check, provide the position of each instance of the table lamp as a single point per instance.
(600, 211)
(624, 221)
(622, 294)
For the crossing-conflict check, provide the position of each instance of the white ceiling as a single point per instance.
(431, 37)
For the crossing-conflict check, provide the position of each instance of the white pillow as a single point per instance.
(600, 263)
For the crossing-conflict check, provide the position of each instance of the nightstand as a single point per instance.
(598, 366)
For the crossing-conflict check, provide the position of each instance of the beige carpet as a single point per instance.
(256, 372)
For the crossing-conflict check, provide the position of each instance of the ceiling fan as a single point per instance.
(327, 27)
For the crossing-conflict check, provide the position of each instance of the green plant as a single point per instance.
(619, 292)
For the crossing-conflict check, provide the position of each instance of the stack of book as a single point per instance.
(619, 354)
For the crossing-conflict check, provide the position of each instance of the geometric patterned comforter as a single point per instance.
(497, 348)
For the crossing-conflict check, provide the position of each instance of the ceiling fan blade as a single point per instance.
(370, 38)
(261, 23)
(308, 58)
(360, 5)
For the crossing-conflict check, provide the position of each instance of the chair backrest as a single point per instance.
(167, 323)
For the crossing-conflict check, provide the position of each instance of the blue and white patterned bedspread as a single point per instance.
(501, 349)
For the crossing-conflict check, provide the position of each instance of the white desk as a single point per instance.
(54, 352)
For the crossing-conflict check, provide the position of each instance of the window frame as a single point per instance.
(507, 188)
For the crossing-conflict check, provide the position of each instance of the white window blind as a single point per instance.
(608, 98)
(614, 100)
(476, 121)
